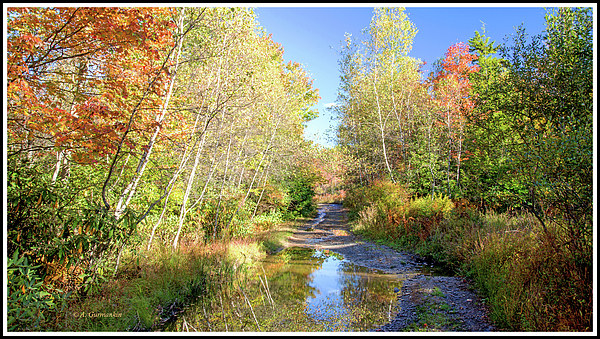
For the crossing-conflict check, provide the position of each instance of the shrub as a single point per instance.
(529, 278)
(30, 303)
(267, 221)
(377, 208)
(299, 188)
(423, 215)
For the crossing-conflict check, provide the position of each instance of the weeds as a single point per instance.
(533, 279)
(153, 286)
(430, 320)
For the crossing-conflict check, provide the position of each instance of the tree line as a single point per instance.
(130, 125)
(485, 164)
(507, 126)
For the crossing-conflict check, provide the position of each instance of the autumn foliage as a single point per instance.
(452, 80)
(499, 134)
(131, 125)
(76, 76)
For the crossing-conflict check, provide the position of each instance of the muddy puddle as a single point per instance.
(307, 287)
(299, 289)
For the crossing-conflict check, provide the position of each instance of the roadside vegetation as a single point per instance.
(484, 165)
(531, 279)
(151, 153)
(155, 153)
(152, 286)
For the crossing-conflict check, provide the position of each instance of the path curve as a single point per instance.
(463, 308)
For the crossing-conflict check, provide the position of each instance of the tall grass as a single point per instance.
(532, 279)
(153, 285)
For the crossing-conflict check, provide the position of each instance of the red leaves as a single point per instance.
(456, 68)
(452, 91)
(452, 81)
(457, 60)
(75, 73)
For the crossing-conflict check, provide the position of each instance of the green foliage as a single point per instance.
(385, 194)
(550, 105)
(45, 225)
(538, 156)
(300, 190)
(531, 281)
(30, 304)
(385, 210)
(428, 206)
(31, 211)
(267, 221)
(168, 227)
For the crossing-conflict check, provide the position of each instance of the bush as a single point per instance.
(386, 196)
(423, 215)
(267, 221)
(385, 210)
(300, 190)
(30, 304)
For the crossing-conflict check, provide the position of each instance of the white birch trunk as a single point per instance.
(382, 129)
(255, 173)
(129, 191)
(222, 186)
(183, 210)
(184, 160)
(266, 176)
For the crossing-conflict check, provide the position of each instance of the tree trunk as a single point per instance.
(263, 190)
(129, 191)
(222, 186)
(256, 172)
(183, 210)
(184, 159)
(382, 129)
(171, 183)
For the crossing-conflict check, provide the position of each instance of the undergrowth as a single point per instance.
(533, 279)
(154, 285)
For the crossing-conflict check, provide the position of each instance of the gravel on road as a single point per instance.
(427, 302)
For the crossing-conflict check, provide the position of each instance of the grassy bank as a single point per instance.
(153, 286)
(533, 279)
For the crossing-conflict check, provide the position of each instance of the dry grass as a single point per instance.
(534, 280)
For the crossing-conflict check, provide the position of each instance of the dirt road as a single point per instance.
(428, 302)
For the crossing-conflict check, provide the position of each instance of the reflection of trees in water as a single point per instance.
(365, 285)
(363, 304)
(292, 281)
(367, 294)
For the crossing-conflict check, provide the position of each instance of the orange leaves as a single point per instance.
(456, 67)
(451, 82)
(457, 60)
(75, 73)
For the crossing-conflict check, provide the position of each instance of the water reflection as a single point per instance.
(349, 297)
(298, 290)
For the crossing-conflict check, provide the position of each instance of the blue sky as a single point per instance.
(311, 35)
